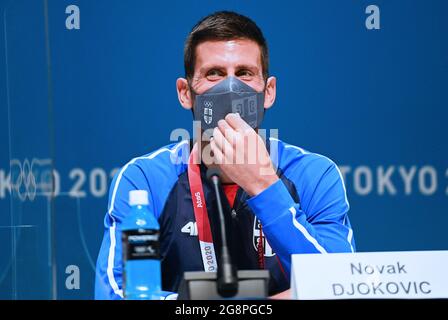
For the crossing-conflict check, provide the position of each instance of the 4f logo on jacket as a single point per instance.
(256, 235)
(190, 228)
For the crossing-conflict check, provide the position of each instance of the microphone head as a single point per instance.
(213, 172)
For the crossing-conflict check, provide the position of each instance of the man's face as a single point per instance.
(216, 60)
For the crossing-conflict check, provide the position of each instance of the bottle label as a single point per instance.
(141, 244)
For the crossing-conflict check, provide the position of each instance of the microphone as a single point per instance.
(227, 281)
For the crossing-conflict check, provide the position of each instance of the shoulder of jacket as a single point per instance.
(293, 156)
(168, 160)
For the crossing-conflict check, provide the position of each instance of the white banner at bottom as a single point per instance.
(370, 275)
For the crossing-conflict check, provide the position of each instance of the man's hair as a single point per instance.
(223, 25)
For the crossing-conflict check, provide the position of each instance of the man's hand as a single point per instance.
(241, 154)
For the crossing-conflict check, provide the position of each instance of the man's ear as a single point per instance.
(184, 93)
(270, 92)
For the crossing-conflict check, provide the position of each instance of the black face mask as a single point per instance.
(231, 95)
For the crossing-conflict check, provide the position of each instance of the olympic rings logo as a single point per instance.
(29, 178)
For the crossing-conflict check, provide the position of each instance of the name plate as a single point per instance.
(370, 275)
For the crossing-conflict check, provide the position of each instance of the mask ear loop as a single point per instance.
(193, 97)
(264, 94)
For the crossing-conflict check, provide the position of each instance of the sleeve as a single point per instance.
(108, 275)
(319, 224)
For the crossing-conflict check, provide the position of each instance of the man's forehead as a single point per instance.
(234, 52)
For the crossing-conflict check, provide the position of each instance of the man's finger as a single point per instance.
(224, 126)
(228, 132)
(237, 123)
(221, 142)
(217, 154)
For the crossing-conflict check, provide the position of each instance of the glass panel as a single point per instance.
(6, 261)
(28, 265)
(76, 257)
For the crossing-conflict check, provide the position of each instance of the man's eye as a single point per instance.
(214, 74)
(244, 74)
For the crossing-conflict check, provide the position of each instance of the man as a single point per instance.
(283, 200)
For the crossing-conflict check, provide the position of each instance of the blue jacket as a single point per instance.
(304, 212)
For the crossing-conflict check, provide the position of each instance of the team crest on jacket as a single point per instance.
(208, 112)
(256, 235)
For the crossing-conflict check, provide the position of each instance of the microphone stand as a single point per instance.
(227, 280)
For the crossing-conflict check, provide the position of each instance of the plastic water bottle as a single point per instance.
(141, 253)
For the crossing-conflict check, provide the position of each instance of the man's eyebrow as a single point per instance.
(252, 67)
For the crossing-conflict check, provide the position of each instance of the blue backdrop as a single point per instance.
(82, 102)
